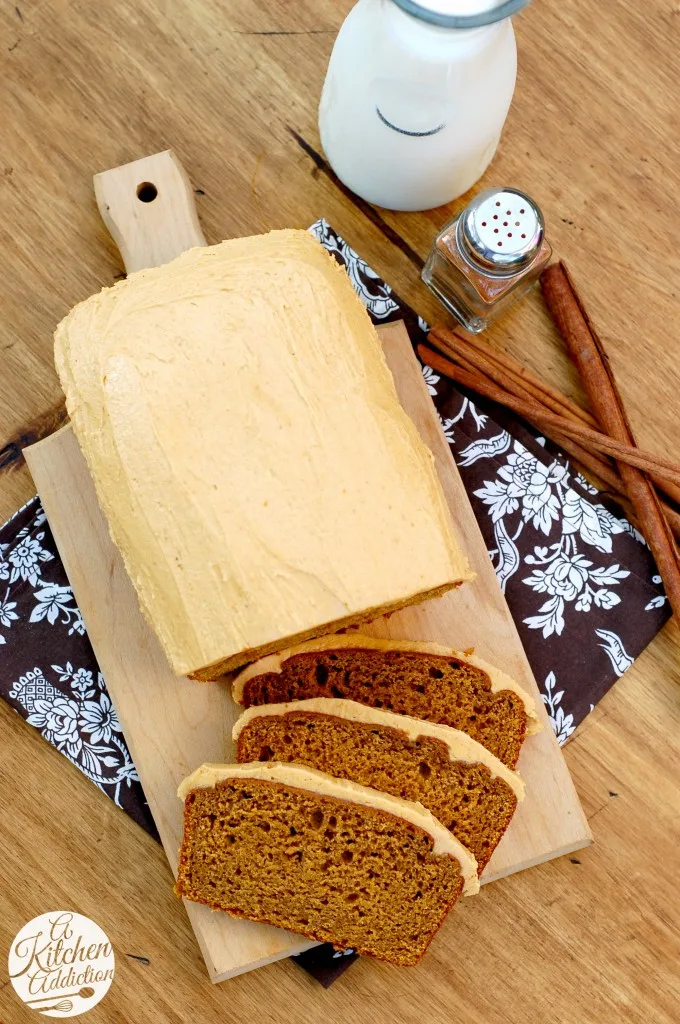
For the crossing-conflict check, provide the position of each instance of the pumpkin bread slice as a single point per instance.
(337, 862)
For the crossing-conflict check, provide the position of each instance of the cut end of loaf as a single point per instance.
(458, 745)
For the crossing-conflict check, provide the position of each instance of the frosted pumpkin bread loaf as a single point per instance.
(258, 474)
(341, 863)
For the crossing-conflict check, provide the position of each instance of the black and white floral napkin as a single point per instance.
(579, 580)
(48, 671)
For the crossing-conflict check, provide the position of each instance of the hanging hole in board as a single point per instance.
(146, 192)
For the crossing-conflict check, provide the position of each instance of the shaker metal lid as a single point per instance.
(501, 230)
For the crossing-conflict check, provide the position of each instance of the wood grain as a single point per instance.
(594, 135)
(148, 207)
(12, 451)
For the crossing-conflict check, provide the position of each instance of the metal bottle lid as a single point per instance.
(426, 10)
(501, 231)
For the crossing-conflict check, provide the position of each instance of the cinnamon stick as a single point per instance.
(476, 355)
(513, 373)
(598, 380)
(672, 518)
(536, 413)
(598, 468)
(515, 376)
(518, 380)
(596, 464)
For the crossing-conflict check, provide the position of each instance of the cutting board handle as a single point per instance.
(148, 206)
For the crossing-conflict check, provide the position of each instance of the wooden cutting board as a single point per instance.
(174, 724)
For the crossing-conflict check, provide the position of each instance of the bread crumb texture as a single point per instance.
(332, 870)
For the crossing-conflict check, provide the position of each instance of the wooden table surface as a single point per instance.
(233, 88)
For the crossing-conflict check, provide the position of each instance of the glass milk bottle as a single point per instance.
(415, 97)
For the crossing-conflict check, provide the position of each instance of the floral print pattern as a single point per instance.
(578, 577)
(552, 544)
(24, 559)
(64, 697)
(524, 483)
(431, 379)
(83, 725)
(373, 292)
(563, 725)
(8, 614)
(542, 495)
(616, 652)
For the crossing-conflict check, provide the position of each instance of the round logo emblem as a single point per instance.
(61, 964)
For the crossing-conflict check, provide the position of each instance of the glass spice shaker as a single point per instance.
(488, 257)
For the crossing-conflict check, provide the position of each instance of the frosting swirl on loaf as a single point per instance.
(257, 471)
